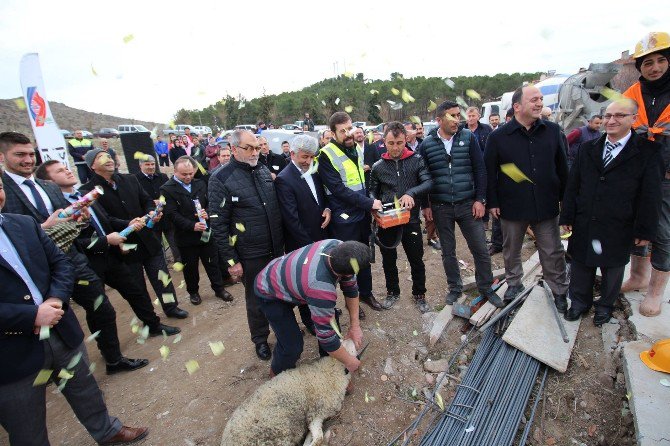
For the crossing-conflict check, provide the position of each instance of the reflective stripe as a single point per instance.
(83, 143)
(641, 124)
(352, 176)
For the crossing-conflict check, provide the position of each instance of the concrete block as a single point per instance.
(649, 400)
(650, 328)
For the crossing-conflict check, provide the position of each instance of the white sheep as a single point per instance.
(280, 411)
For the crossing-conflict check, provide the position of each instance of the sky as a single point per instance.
(146, 59)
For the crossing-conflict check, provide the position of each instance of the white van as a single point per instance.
(131, 128)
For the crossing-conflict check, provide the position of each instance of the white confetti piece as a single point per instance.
(74, 361)
(177, 338)
(665, 382)
(168, 298)
(470, 429)
(597, 246)
(337, 101)
(344, 216)
(98, 302)
(93, 336)
(415, 333)
(44, 332)
(451, 84)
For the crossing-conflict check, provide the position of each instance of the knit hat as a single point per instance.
(639, 60)
(89, 158)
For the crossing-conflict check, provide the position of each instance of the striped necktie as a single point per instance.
(609, 148)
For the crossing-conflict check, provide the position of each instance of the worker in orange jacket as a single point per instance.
(652, 94)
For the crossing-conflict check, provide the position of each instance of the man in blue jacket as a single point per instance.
(161, 149)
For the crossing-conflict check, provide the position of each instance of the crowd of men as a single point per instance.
(291, 226)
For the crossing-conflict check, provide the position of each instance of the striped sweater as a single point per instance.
(304, 277)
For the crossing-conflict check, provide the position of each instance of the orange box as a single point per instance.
(393, 217)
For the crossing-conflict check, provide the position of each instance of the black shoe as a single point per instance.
(435, 244)
(224, 296)
(561, 302)
(512, 292)
(573, 314)
(420, 302)
(494, 299)
(494, 250)
(177, 313)
(263, 351)
(372, 301)
(195, 298)
(169, 331)
(601, 317)
(452, 297)
(126, 365)
(361, 314)
(391, 299)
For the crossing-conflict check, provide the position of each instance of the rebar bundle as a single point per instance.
(490, 401)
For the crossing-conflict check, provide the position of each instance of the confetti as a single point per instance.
(306, 260)
(390, 102)
(168, 298)
(142, 156)
(374, 92)
(177, 338)
(93, 336)
(241, 106)
(566, 236)
(432, 106)
(378, 106)
(344, 216)
(414, 393)
(415, 333)
(240, 227)
(395, 91)
(367, 399)
(74, 361)
(348, 109)
(354, 265)
(323, 102)
(223, 203)
(164, 277)
(94, 239)
(451, 84)
(135, 329)
(181, 284)
(144, 333)
(231, 262)
(470, 429)
(205, 236)
(546, 33)
(597, 246)
(472, 94)
(128, 247)
(178, 266)
(64, 374)
(83, 282)
(610, 94)
(217, 348)
(337, 101)
(514, 173)
(157, 302)
(439, 401)
(396, 106)
(44, 332)
(415, 119)
(348, 74)
(42, 377)
(91, 368)
(406, 96)
(192, 366)
(20, 103)
(665, 382)
(333, 323)
(128, 38)
(165, 351)
(460, 101)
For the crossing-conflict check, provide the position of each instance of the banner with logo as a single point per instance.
(49, 138)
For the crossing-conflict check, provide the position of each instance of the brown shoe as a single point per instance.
(372, 301)
(361, 314)
(127, 435)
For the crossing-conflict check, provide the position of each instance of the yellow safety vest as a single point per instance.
(352, 175)
(83, 143)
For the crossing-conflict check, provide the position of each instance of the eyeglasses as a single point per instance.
(617, 116)
(250, 148)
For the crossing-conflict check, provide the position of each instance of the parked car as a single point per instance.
(86, 134)
(131, 128)
(251, 127)
(291, 127)
(276, 136)
(201, 129)
(178, 129)
(429, 127)
(361, 124)
(67, 134)
(107, 132)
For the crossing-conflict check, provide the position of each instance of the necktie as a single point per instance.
(39, 202)
(609, 148)
(76, 196)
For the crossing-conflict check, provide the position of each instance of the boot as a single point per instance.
(651, 305)
(640, 270)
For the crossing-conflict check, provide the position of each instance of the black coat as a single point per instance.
(273, 161)
(299, 209)
(176, 153)
(541, 154)
(180, 210)
(612, 205)
(244, 197)
(152, 186)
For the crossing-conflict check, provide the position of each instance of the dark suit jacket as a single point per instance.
(52, 272)
(17, 202)
(96, 248)
(176, 153)
(153, 186)
(299, 210)
(612, 204)
(180, 209)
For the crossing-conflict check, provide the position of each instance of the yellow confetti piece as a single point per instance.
(406, 96)
(395, 91)
(217, 348)
(103, 159)
(128, 247)
(240, 227)
(93, 336)
(374, 92)
(135, 329)
(64, 374)
(415, 333)
(348, 109)
(157, 302)
(128, 38)
(165, 351)
(514, 173)
(610, 94)
(20, 103)
(161, 199)
(164, 277)
(42, 377)
(432, 106)
(144, 333)
(91, 368)
(83, 282)
(415, 119)
(333, 323)
(200, 168)
(178, 266)
(232, 240)
(141, 156)
(396, 202)
(168, 298)
(472, 94)
(74, 361)
(177, 338)
(44, 332)
(348, 74)
(439, 401)
(566, 236)
(192, 366)
(460, 101)
(181, 284)
(231, 262)
(367, 398)
(354, 265)
(344, 216)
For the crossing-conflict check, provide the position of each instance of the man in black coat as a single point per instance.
(125, 199)
(533, 152)
(611, 203)
(192, 232)
(243, 207)
(273, 161)
(39, 330)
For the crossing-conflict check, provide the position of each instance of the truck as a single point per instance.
(178, 130)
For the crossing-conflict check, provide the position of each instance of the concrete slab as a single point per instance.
(440, 322)
(649, 400)
(534, 331)
(651, 329)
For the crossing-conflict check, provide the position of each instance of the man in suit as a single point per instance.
(191, 229)
(611, 202)
(125, 199)
(273, 161)
(39, 330)
(41, 200)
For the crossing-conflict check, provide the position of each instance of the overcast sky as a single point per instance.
(191, 53)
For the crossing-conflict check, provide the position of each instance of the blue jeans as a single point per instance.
(660, 246)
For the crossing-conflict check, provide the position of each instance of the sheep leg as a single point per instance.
(315, 436)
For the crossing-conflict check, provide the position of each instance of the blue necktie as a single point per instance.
(39, 202)
(76, 196)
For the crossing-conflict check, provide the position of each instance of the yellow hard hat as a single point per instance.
(658, 358)
(652, 42)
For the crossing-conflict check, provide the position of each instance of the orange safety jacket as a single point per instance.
(641, 124)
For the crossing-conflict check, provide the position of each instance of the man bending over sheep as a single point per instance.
(309, 275)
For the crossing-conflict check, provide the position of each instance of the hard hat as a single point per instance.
(652, 42)
(658, 358)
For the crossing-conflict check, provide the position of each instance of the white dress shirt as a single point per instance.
(310, 182)
(447, 142)
(18, 179)
(622, 143)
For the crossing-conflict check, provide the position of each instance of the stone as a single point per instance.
(441, 365)
(430, 379)
(389, 369)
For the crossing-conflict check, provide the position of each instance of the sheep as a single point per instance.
(281, 410)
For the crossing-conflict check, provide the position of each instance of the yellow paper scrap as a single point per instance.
(144, 333)
(232, 240)
(168, 298)
(231, 262)
(415, 119)
(348, 74)
(64, 374)
(406, 96)
(178, 266)
(395, 91)
(439, 401)
(354, 265)
(333, 323)
(44, 332)
(164, 277)
(135, 329)
(83, 282)
(367, 398)
(514, 173)
(42, 377)
(374, 92)
(177, 338)
(192, 366)
(432, 106)
(157, 302)
(566, 236)
(610, 94)
(165, 351)
(217, 348)
(93, 336)
(128, 38)
(348, 109)
(472, 94)
(181, 284)
(20, 103)
(240, 227)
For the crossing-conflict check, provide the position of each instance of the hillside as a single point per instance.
(14, 119)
